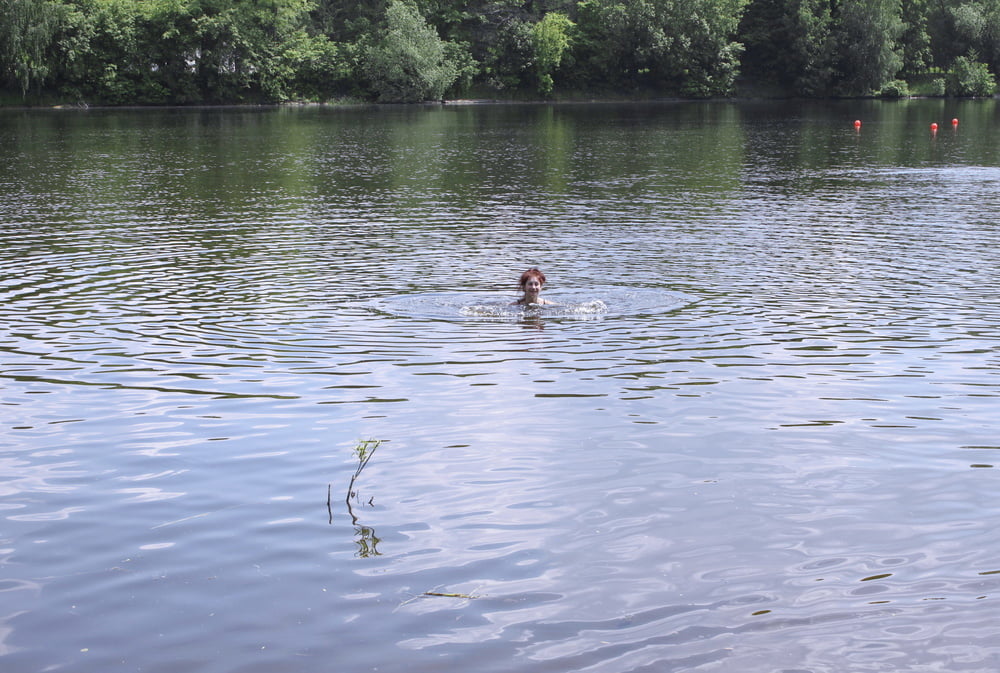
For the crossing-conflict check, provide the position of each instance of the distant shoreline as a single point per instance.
(471, 102)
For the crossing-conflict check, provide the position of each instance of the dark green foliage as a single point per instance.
(347, 20)
(958, 26)
(897, 88)
(466, 68)
(506, 59)
(790, 44)
(684, 46)
(764, 42)
(915, 40)
(809, 27)
(231, 51)
(968, 77)
(866, 36)
(27, 35)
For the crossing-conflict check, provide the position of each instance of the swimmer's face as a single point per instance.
(532, 285)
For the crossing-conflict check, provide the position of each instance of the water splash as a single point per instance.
(579, 304)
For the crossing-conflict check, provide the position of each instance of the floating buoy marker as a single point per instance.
(954, 122)
(933, 126)
(857, 123)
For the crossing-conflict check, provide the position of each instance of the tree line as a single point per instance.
(258, 51)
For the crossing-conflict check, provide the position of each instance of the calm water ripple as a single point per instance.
(758, 433)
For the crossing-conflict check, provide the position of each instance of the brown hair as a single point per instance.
(532, 272)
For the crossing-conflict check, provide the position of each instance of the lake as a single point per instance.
(758, 432)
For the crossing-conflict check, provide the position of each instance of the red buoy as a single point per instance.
(857, 123)
(934, 126)
(954, 122)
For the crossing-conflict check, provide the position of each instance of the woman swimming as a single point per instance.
(531, 284)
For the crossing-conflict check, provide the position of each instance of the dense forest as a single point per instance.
(258, 51)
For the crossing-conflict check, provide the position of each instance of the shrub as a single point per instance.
(969, 77)
(897, 88)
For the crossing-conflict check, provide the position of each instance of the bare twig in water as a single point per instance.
(366, 539)
(434, 593)
(364, 452)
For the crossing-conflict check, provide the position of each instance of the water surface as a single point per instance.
(758, 434)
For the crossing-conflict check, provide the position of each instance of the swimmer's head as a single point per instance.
(529, 274)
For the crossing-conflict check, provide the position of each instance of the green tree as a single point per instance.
(809, 25)
(459, 54)
(867, 41)
(975, 25)
(228, 50)
(311, 67)
(171, 47)
(685, 45)
(956, 26)
(705, 55)
(990, 49)
(347, 21)
(550, 41)
(507, 60)
(27, 33)
(761, 32)
(407, 62)
(968, 22)
(499, 38)
(621, 41)
(916, 40)
(239, 44)
(100, 54)
(447, 16)
(789, 43)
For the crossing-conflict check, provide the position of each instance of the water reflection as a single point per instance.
(367, 542)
